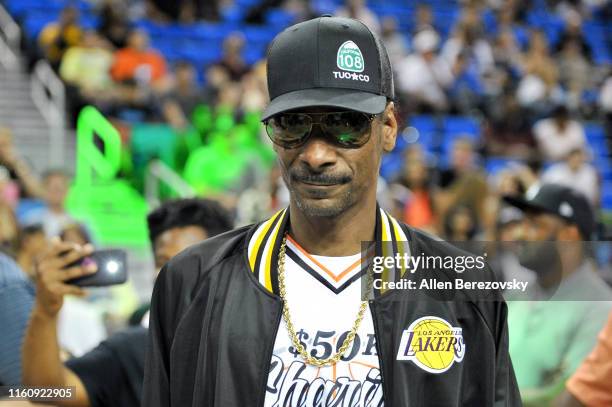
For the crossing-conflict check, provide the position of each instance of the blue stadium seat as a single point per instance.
(606, 196)
(214, 31)
(599, 146)
(201, 56)
(423, 122)
(246, 3)
(259, 34)
(391, 165)
(494, 165)
(233, 14)
(462, 124)
(35, 22)
(26, 206)
(252, 55)
(279, 18)
(325, 6)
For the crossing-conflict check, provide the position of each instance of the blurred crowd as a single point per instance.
(528, 87)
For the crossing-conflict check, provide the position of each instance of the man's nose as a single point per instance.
(318, 153)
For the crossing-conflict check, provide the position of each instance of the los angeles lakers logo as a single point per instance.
(432, 344)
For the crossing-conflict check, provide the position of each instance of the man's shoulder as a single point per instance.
(10, 273)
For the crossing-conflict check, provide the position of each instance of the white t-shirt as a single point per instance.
(428, 80)
(324, 295)
(555, 144)
(584, 180)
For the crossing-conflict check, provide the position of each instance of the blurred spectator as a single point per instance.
(506, 52)
(232, 60)
(180, 103)
(185, 11)
(9, 230)
(574, 73)
(358, 10)
(559, 135)
(572, 32)
(256, 14)
(19, 170)
(138, 63)
(573, 300)
(114, 25)
(589, 386)
(32, 244)
(394, 41)
(75, 233)
(539, 83)
(416, 206)
(217, 78)
(463, 184)
(575, 172)
(423, 77)
(509, 223)
(460, 224)
(507, 128)
(16, 300)
(605, 103)
(113, 372)
(9, 192)
(85, 69)
(423, 19)
(468, 41)
(255, 89)
(506, 17)
(178, 224)
(53, 217)
(57, 37)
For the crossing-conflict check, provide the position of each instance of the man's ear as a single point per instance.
(389, 128)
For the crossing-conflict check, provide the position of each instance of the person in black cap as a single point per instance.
(272, 314)
(551, 336)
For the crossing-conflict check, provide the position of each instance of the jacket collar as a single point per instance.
(264, 246)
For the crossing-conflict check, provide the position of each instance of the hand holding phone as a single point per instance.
(111, 269)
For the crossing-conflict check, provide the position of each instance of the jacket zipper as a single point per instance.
(378, 352)
(269, 356)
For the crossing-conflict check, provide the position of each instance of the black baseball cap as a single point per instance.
(328, 62)
(562, 201)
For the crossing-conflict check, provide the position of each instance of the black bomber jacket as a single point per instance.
(213, 327)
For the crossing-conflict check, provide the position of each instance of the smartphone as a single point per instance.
(112, 269)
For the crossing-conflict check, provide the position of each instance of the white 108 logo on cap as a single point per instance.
(349, 57)
(350, 60)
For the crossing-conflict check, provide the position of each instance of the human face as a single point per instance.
(57, 188)
(324, 179)
(175, 240)
(536, 249)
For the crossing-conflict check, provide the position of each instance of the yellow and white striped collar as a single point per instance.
(264, 245)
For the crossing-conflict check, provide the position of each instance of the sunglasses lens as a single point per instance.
(288, 130)
(349, 129)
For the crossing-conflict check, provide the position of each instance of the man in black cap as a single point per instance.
(551, 334)
(272, 314)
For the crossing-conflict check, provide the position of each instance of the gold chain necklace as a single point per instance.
(295, 340)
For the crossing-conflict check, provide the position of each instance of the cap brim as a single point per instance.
(349, 99)
(526, 206)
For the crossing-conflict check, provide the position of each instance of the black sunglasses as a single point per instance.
(345, 129)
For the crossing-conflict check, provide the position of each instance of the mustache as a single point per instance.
(303, 175)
